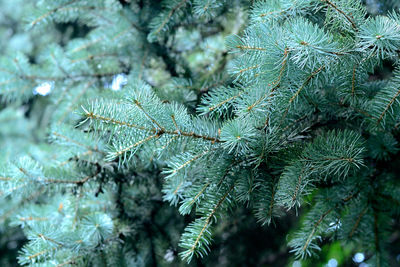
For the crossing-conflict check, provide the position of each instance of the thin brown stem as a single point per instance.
(296, 94)
(137, 103)
(122, 123)
(170, 14)
(315, 228)
(208, 219)
(348, 17)
(388, 107)
(245, 47)
(353, 81)
(353, 230)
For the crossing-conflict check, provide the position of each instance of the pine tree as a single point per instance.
(272, 106)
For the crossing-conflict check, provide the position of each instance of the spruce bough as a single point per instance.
(287, 116)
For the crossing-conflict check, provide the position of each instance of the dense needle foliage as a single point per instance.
(131, 132)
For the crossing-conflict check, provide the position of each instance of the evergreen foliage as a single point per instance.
(273, 106)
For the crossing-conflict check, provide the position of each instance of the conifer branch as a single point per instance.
(333, 159)
(309, 78)
(346, 199)
(278, 12)
(57, 78)
(31, 257)
(258, 101)
(138, 143)
(50, 239)
(174, 122)
(362, 112)
(30, 218)
(315, 226)
(249, 68)
(297, 188)
(295, 122)
(199, 193)
(91, 115)
(348, 17)
(186, 163)
(276, 83)
(93, 56)
(77, 157)
(170, 141)
(282, 69)
(296, 94)
(12, 189)
(44, 16)
(208, 220)
(99, 39)
(224, 102)
(75, 142)
(78, 182)
(228, 169)
(300, 99)
(246, 47)
(170, 14)
(57, 181)
(72, 262)
(76, 208)
(71, 105)
(353, 81)
(388, 106)
(177, 188)
(84, 46)
(7, 214)
(148, 116)
(208, 87)
(357, 222)
(59, 66)
(322, 50)
(314, 229)
(272, 202)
